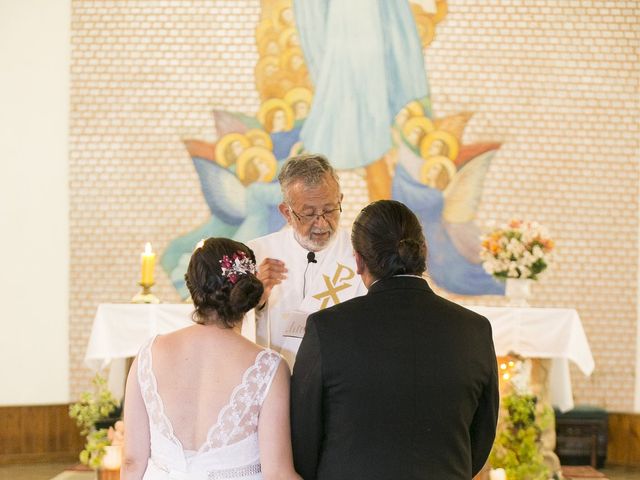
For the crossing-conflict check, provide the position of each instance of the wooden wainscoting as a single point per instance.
(42, 433)
(624, 439)
(45, 433)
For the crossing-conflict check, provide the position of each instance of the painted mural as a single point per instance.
(348, 80)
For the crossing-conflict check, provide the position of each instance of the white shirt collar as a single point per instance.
(396, 276)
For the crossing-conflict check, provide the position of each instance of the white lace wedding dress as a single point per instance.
(231, 448)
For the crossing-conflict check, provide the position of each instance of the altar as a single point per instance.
(119, 330)
(547, 333)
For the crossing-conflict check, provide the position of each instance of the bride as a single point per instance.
(204, 402)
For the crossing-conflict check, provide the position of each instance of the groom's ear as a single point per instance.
(360, 266)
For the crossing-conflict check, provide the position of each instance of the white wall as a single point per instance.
(34, 239)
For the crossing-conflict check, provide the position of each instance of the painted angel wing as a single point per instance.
(463, 194)
(230, 122)
(224, 193)
(454, 124)
(466, 238)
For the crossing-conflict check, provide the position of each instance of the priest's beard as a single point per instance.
(317, 239)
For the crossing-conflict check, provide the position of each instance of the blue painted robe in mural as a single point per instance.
(237, 212)
(365, 60)
(445, 265)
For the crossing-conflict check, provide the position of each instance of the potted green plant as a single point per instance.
(517, 450)
(97, 413)
(517, 445)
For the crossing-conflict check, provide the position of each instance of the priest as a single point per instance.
(308, 265)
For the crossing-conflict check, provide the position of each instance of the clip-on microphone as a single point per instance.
(311, 258)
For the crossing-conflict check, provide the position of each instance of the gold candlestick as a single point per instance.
(145, 295)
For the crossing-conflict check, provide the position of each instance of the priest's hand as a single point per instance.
(271, 272)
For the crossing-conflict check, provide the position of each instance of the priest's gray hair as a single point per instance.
(309, 168)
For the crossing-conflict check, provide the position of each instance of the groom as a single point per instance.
(399, 383)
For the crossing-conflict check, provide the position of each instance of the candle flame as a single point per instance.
(147, 249)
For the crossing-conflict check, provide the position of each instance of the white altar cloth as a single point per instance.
(119, 330)
(554, 333)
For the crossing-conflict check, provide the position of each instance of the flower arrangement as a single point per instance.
(96, 413)
(516, 250)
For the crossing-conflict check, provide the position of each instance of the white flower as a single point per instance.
(537, 252)
(521, 379)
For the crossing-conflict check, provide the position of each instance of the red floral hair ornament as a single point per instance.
(237, 265)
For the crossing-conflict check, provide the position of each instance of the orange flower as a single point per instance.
(515, 223)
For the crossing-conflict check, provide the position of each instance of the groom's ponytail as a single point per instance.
(389, 238)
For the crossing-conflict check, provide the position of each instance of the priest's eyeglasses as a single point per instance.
(326, 215)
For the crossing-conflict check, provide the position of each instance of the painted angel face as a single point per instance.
(433, 174)
(437, 147)
(263, 169)
(236, 148)
(296, 62)
(270, 70)
(272, 48)
(415, 135)
(301, 109)
(287, 16)
(259, 142)
(279, 121)
(233, 151)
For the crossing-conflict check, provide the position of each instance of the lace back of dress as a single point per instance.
(239, 419)
(236, 421)
(149, 390)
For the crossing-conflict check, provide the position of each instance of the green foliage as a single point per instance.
(517, 445)
(94, 449)
(93, 407)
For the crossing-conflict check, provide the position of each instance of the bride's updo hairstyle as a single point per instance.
(388, 236)
(222, 281)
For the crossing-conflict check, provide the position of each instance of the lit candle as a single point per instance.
(498, 474)
(148, 264)
(112, 459)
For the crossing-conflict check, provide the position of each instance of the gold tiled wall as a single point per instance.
(556, 81)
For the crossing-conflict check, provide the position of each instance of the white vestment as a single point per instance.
(329, 281)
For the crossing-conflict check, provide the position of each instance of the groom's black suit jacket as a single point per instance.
(397, 384)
